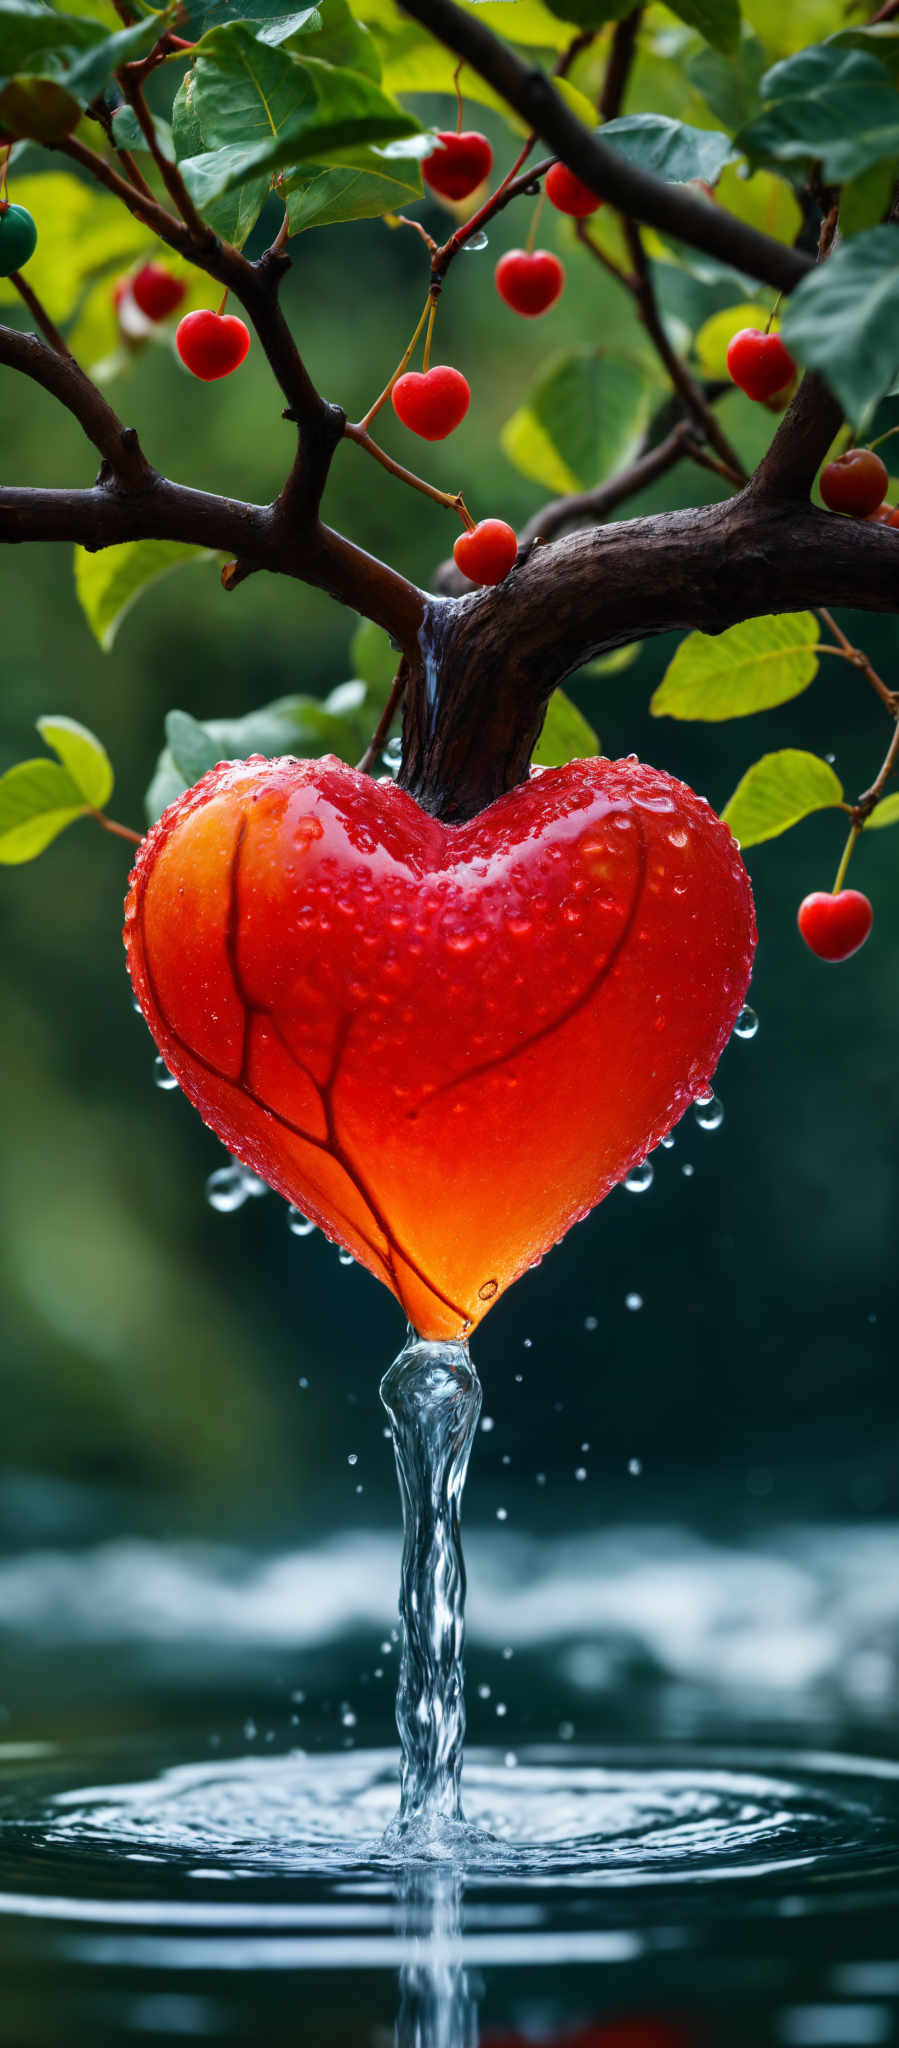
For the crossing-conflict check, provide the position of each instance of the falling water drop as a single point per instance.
(345, 1259)
(747, 1023)
(392, 756)
(635, 1467)
(633, 1301)
(161, 1075)
(709, 1113)
(640, 1178)
(225, 1190)
(668, 1140)
(298, 1224)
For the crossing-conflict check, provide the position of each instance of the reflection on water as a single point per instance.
(436, 2007)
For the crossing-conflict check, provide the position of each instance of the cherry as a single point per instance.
(431, 402)
(156, 291)
(211, 344)
(532, 993)
(18, 239)
(892, 510)
(460, 166)
(567, 194)
(835, 926)
(883, 516)
(529, 281)
(759, 363)
(487, 552)
(855, 482)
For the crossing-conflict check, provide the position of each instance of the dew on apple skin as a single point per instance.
(640, 1178)
(298, 1224)
(161, 1075)
(708, 1112)
(747, 1023)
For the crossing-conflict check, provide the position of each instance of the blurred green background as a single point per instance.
(152, 1349)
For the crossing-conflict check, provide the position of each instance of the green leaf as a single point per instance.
(751, 667)
(887, 813)
(669, 148)
(777, 791)
(303, 726)
(828, 104)
(82, 755)
(199, 15)
(92, 73)
(127, 132)
(590, 13)
(866, 200)
(334, 34)
(37, 109)
(585, 418)
(373, 659)
(41, 40)
(718, 21)
(612, 664)
(109, 583)
(566, 735)
(730, 86)
(38, 800)
(321, 195)
(234, 216)
(879, 39)
(843, 319)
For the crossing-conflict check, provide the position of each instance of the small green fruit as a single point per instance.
(18, 239)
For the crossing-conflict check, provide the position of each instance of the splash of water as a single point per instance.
(432, 1395)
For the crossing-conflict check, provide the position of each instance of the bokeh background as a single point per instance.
(189, 1383)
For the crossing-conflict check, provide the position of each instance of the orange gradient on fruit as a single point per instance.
(444, 1043)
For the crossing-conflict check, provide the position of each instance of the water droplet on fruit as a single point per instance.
(677, 837)
(709, 1113)
(489, 1289)
(298, 1224)
(476, 241)
(640, 1178)
(161, 1075)
(747, 1023)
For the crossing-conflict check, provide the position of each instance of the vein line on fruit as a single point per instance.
(579, 1003)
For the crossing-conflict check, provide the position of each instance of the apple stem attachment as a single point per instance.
(847, 856)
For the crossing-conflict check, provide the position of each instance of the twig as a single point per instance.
(40, 315)
(452, 499)
(386, 719)
(867, 803)
(120, 831)
(859, 660)
(618, 68)
(130, 79)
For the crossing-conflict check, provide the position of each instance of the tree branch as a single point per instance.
(621, 57)
(672, 209)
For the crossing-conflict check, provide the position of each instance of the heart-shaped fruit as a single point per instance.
(529, 280)
(569, 194)
(211, 344)
(432, 402)
(759, 363)
(444, 1043)
(157, 291)
(460, 165)
(835, 926)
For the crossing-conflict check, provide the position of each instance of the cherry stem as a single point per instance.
(397, 689)
(884, 437)
(374, 410)
(120, 831)
(535, 223)
(858, 659)
(443, 257)
(847, 856)
(456, 74)
(221, 308)
(426, 358)
(452, 499)
(773, 313)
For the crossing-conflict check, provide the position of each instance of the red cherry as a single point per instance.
(882, 517)
(525, 946)
(431, 402)
(893, 511)
(855, 482)
(211, 344)
(835, 926)
(567, 194)
(529, 281)
(759, 363)
(156, 291)
(460, 166)
(487, 552)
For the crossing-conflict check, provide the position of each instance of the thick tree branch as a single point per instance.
(803, 437)
(621, 57)
(497, 655)
(672, 209)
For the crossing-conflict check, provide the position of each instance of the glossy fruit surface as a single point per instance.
(855, 482)
(883, 516)
(759, 363)
(444, 1043)
(211, 344)
(567, 193)
(156, 291)
(18, 239)
(487, 553)
(835, 926)
(529, 283)
(460, 166)
(431, 402)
